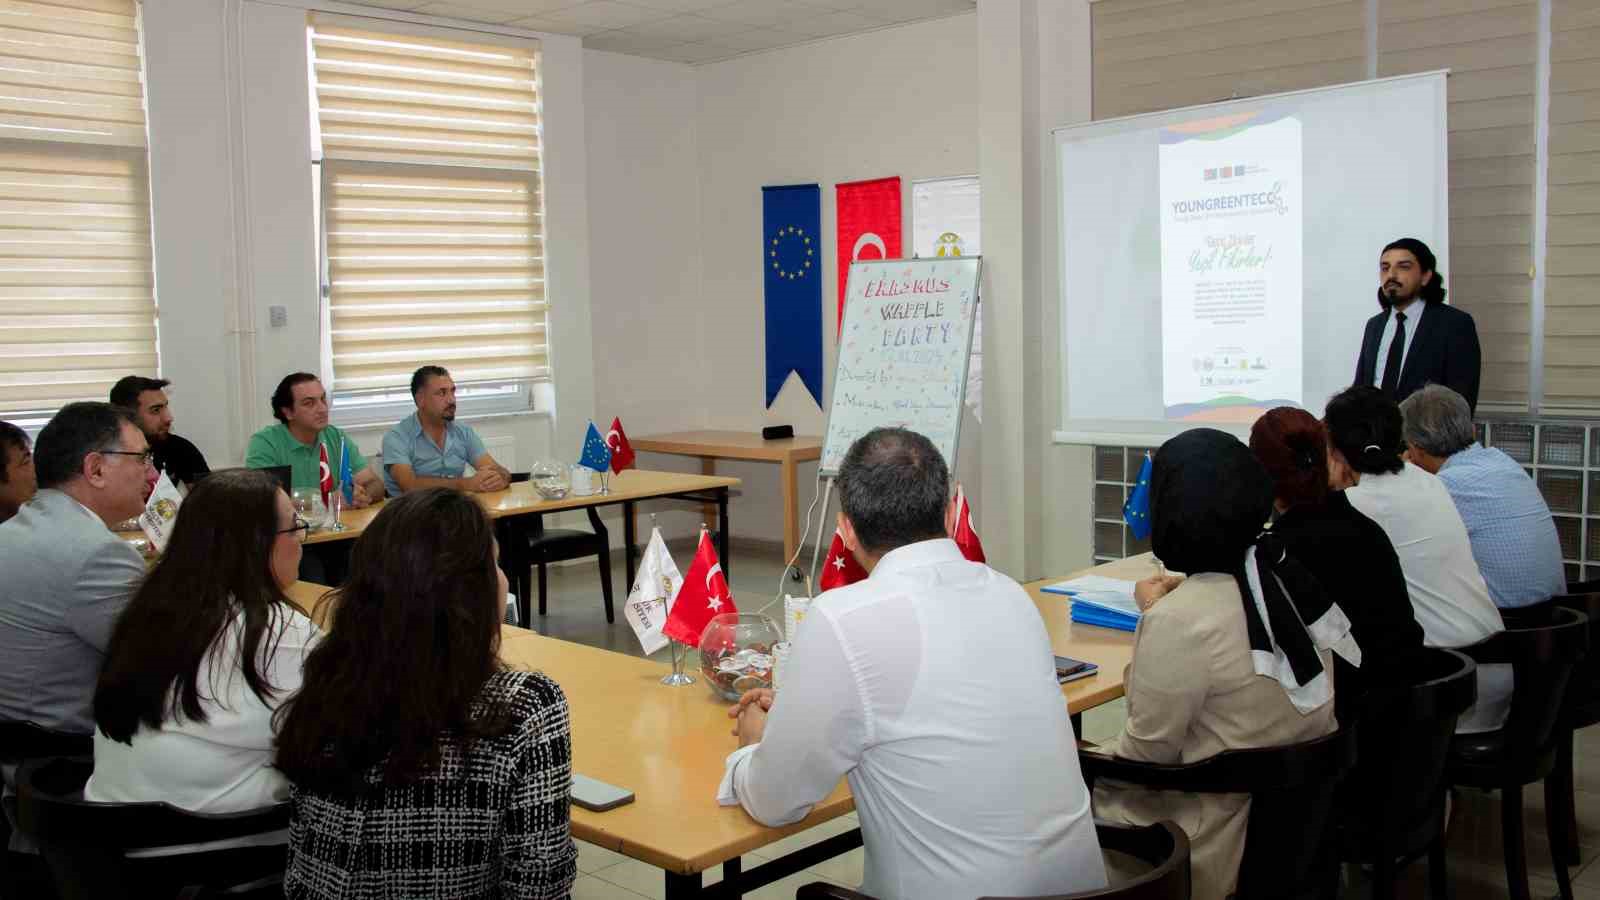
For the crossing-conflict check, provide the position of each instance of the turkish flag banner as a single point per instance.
(621, 450)
(840, 568)
(868, 216)
(704, 594)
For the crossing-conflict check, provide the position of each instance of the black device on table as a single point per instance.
(1069, 669)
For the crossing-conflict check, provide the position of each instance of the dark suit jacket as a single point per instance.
(1445, 351)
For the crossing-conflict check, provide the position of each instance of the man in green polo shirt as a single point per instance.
(300, 404)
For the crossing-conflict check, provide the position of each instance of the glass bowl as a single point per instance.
(736, 653)
(550, 480)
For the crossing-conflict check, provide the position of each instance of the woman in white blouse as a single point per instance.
(1448, 593)
(207, 649)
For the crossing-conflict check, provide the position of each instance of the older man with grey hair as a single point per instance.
(1513, 536)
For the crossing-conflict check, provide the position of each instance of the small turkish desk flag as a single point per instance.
(840, 568)
(621, 450)
(965, 536)
(704, 594)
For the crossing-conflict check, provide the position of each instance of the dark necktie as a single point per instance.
(1397, 350)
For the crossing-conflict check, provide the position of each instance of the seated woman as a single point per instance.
(1208, 674)
(421, 766)
(205, 652)
(1346, 551)
(1448, 593)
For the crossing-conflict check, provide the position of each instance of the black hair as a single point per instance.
(894, 487)
(283, 397)
(11, 437)
(1433, 291)
(419, 378)
(1364, 424)
(125, 393)
(77, 430)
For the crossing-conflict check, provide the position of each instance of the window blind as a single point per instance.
(1490, 48)
(77, 299)
(1572, 260)
(1165, 54)
(433, 214)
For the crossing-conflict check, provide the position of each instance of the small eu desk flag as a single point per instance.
(1136, 512)
(596, 455)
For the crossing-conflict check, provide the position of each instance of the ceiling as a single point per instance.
(689, 31)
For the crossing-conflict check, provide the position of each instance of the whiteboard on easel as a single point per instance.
(903, 348)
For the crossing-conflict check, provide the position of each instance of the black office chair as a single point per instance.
(537, 546)
(1523, 751)
(85, 843)
(1292, 790)
(1579, 709)
(25, 873)
(1391, 808)
(1162, 846)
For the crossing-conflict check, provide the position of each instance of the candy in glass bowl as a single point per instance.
(736, 653)
(550, 480)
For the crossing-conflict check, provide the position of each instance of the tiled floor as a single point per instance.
(1476, 870)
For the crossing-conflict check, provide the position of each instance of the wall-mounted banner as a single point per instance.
(869, 226)
(791, 257)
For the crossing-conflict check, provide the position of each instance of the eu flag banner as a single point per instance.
(791, 257)
(1136, 512)
(596, 455)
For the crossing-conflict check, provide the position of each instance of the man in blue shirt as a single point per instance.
(1513, 537)
(429, 449)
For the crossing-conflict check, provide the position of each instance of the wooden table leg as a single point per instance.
(791, 508)
(630, 537)
(708, 511)
(722, 531)
(680, 887)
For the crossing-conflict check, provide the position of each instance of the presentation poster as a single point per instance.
(1231, 289)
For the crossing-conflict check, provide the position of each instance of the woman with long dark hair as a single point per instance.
(421, 766)
(205, 652)
(1348, 552)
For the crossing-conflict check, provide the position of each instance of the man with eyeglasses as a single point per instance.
(67, 576)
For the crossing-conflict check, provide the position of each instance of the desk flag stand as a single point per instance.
(680, 651)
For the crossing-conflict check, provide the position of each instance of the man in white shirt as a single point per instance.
(931, 687)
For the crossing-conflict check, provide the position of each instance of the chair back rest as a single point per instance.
(1162, 846)
(1292, 791)
(25, 740)
(1404, 743)
(1543, 658)
(51, 809)
(1582, 706)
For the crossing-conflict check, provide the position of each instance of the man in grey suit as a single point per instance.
(67, 575)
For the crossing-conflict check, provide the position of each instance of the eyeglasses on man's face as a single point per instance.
(146, 457)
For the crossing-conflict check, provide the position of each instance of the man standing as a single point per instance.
(67, 576)
(429, 449)
(1513, 537)
(931, 686)
(301, 407)
(17, 478)
(1411, 344)
(147, 399)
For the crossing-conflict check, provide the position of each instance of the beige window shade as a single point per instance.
(1165, 54)
(1572, 261)
(433, 213)
(1489, 46)
(77, 300)
(433, 266)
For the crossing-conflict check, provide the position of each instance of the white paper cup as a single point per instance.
(794, 610)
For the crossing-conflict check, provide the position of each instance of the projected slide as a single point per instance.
(1221, 260)
(1230, 267)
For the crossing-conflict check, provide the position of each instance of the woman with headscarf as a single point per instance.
(1237, 655)
(1347, 552)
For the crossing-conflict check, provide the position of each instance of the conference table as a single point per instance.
(627, 488)
(667, 745)
(710, 446)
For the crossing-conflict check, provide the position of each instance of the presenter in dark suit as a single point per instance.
(1412, 343)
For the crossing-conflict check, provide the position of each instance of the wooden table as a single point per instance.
(627, 488)
(667, 745)
(711, 446)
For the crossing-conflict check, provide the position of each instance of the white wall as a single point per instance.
(900, 101)
(235, 233)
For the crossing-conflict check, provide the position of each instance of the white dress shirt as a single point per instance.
(223, 764)
(1448, 593)
(1413, 319)
(931, 686)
